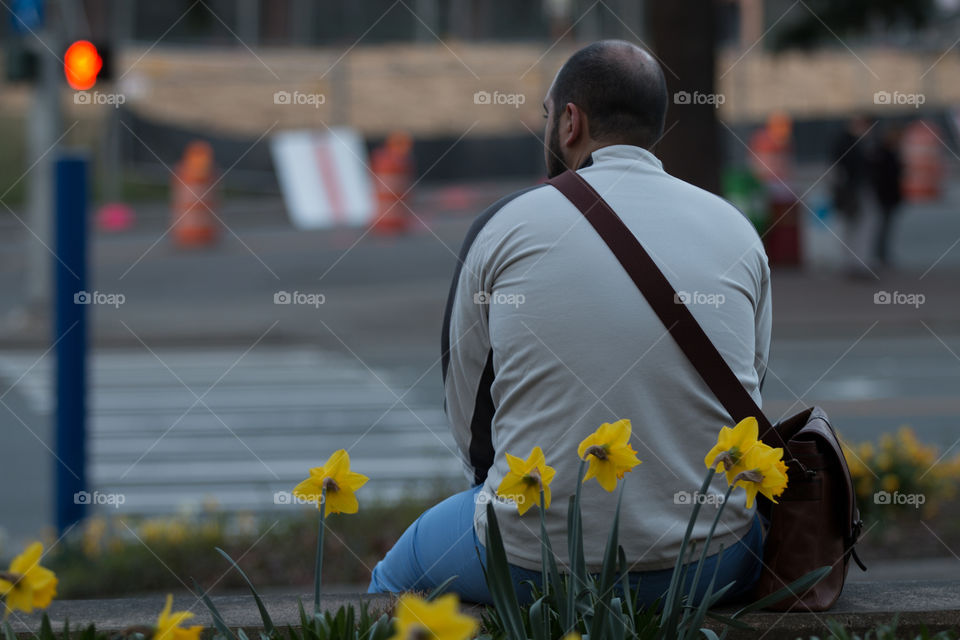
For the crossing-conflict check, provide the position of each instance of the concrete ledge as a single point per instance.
(863, 606)
(116, 614)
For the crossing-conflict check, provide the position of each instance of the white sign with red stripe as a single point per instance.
(324, 177)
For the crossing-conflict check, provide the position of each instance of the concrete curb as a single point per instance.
(863, 606)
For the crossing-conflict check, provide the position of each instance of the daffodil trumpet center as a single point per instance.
(330, 485)
(534, 479)
(11, 577)
(752, 475)
(729, 458)
(600, 452)
(419, 633)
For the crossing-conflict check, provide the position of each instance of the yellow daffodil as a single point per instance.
(168, 624)
(731, 446)
(890, 483)
(763, 472)
(523, 482)
(93, 534)
(609, 453)
(884, 461)
(441, 619)
(26, 584)
(339, 481)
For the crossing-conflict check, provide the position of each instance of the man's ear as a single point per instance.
(572, 125)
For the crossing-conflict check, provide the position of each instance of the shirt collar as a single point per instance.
(614, 152)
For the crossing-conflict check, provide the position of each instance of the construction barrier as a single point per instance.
(392, 166)
(194, 224)
(922, 162)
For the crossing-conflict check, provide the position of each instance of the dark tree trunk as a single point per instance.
(683, 37)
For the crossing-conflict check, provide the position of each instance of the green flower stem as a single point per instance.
(544, 582)
(577, 582)
(672, 600)
(706, 544)
(318, 569)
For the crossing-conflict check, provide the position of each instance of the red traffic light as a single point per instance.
(81, 64)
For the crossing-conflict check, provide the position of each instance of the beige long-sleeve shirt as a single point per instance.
(546, 337)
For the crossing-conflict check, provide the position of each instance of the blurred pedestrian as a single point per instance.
(560, 17)
(854, 197)
(886, 173)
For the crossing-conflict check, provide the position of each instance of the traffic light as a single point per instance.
(82, 64)
(21, 61)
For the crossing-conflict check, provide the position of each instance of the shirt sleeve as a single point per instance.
(468, 362)
(764, 322)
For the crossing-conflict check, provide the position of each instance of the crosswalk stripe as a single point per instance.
(277, 412)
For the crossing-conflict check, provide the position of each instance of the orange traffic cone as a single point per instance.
(193, 200)
(392, 166)
(922, 162)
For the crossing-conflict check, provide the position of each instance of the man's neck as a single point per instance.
(584, 157)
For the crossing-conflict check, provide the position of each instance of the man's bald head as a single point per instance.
(620, 88)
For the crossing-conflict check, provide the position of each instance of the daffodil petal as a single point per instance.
(342, 501)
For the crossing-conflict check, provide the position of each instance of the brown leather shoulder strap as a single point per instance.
(675, 315)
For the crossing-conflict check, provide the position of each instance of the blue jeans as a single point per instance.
(443, 543)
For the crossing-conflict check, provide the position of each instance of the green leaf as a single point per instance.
(710, 634)
(630, 595)
(696, 621)
(500, 582)
(304, 622)
(672, 602)
(577, 585)
(618, 622)
(673, 624)
(709, 597)
(539, 622)
(46, 631)
(706, 544)
(381, 629)
(439, 589)
(218, 622)
(798, 586)
(264, 616)
(730, 622)
(549, 573)
(575, 531)
(602, 609)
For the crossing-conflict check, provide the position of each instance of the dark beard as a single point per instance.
(555, 164)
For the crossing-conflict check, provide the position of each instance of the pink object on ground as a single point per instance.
(115, 216)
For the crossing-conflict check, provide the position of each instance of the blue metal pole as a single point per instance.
(70, 335)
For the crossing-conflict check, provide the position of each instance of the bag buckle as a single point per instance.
(809, 473)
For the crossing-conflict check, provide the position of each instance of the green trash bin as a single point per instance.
(746, 193)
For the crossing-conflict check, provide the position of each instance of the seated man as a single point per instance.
(546, 337)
